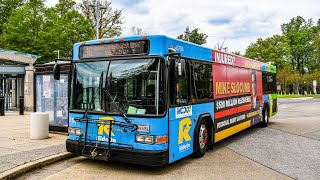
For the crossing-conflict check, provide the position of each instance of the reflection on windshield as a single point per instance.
(123, 86)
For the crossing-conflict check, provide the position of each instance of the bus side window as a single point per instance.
(182, 87)
(202, 82)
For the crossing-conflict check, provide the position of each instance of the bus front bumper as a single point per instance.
(148, 158)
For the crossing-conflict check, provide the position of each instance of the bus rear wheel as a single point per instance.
(265, 117)
(201, 139)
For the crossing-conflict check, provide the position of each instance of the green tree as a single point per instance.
(300, 35)
(6, 8)
(315, 64)
(282, 77)
(64, 6)
(315, 75)
(37, 30)
(295, 79)
(64, 27)
(110, 21)
(71, 28)
(22, 30)
(194, 36)
(273, 49)
(296, 53)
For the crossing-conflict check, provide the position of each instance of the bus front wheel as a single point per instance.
(201, 139)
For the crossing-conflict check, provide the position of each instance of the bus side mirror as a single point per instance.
(181, 68)
(56, 71)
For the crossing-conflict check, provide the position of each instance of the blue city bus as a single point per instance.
(152, 100)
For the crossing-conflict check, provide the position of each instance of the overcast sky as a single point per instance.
(238, 22)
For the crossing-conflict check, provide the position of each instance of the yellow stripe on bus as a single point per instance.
(271, 105)
(232, 130)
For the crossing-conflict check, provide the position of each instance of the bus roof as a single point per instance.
(159, 45)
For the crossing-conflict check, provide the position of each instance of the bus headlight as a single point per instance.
(74, 131)
(146, 139)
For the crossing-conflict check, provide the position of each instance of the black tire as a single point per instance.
(201, 139)
(265, 117)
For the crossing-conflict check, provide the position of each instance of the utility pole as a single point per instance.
(188, 33)
(98, 8)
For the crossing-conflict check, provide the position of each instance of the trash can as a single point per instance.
(39, 125)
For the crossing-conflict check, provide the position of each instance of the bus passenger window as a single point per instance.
(182, 87)
(202, 83)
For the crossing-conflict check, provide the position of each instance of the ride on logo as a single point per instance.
(184, 128)
(183, 111)
(105, 127)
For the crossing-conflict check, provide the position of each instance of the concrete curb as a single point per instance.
(19, 170)
(303, 98)
(297, 98)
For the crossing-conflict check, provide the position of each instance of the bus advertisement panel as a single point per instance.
(237, 93)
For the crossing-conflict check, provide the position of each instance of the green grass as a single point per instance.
(299, 96)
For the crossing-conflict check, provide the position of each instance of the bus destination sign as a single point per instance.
(114, 49)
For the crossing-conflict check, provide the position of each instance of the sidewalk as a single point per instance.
(16, 147)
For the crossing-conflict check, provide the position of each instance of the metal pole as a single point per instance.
(58, 51)
(98, 8)
(97, 18)
(1, 105)
(21, 102)
(6, 95)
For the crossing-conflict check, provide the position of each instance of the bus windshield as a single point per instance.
(118, 86)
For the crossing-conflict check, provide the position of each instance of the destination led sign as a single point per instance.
(114, 49)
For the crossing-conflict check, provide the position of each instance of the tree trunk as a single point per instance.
(296, 88)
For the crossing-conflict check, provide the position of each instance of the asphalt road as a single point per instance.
(288, 149)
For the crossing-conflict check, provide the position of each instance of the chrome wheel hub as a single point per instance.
(203, 136)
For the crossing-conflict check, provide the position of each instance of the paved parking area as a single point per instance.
(287, 149)
(16, 147)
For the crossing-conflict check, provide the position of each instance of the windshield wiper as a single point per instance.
(119, 108)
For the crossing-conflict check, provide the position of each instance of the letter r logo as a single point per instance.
(105, 127)
(184, 128)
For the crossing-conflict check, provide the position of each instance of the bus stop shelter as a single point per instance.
(52, 96)
(16, 79)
